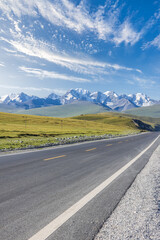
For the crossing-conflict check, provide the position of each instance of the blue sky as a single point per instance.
(54, 45)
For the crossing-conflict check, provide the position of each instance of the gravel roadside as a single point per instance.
(137, 216)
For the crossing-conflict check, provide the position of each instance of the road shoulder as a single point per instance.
(137, 214)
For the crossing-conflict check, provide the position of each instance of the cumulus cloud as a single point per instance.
(47, 74)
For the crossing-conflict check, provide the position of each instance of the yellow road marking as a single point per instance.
(126, 140)
(57, 222)
(119, 142)
(109, 145)
(47, 159)
(90, 149)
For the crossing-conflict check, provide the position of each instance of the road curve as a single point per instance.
(37, 187)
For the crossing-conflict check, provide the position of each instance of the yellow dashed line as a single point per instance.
(47, 159)
(126, 140)
(109, 145)
(119, 142)
(90, 149)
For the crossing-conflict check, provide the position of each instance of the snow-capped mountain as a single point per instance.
(122, 104)
(54, 96)
(141, 100)
(109, 99)
(111, 94)
(75, 94)
(19, 98)
(98, 97)
(25, 101)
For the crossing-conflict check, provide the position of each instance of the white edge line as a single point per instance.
(61, 219)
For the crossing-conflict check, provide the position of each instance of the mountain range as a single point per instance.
(109, 99)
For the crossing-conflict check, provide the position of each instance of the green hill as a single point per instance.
(17, 131)
(21, 131)
(67, 110)
(152, 111)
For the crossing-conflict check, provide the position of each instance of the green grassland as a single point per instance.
(118, 117)
(152, 111)
(18, 131)
(67, 110)
(147, 114)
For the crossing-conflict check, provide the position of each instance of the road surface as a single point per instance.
(64, 193)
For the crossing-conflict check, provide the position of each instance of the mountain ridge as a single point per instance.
(109, 99)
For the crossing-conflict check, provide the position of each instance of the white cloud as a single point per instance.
(47, 74)
(151, 22)
(130, 82)
(119, 67)
(138, 70)
(61, 13)
(55, 90)
(127, 34)
(35, 48)
(2, 65)
(104, 22)
(9, 50)
(144, 82)
(157, 14)
(28, 45)
(155, 42)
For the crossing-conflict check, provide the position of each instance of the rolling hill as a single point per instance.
(21, 131)
(151, 111)
(68, 110)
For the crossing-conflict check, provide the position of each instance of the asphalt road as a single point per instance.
(38, 186)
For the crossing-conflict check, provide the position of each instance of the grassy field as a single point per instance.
(67, 110)
(17, 131)
(118, 116)
(152, 111)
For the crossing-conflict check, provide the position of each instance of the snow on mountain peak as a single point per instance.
(141, 99)
(3, 98)
(7, 98)
(82, 91)
(98, 97)
(70, 96)
(111, 93)
(109, 99)
(20, 98)
(53, 96)
(75, 94)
